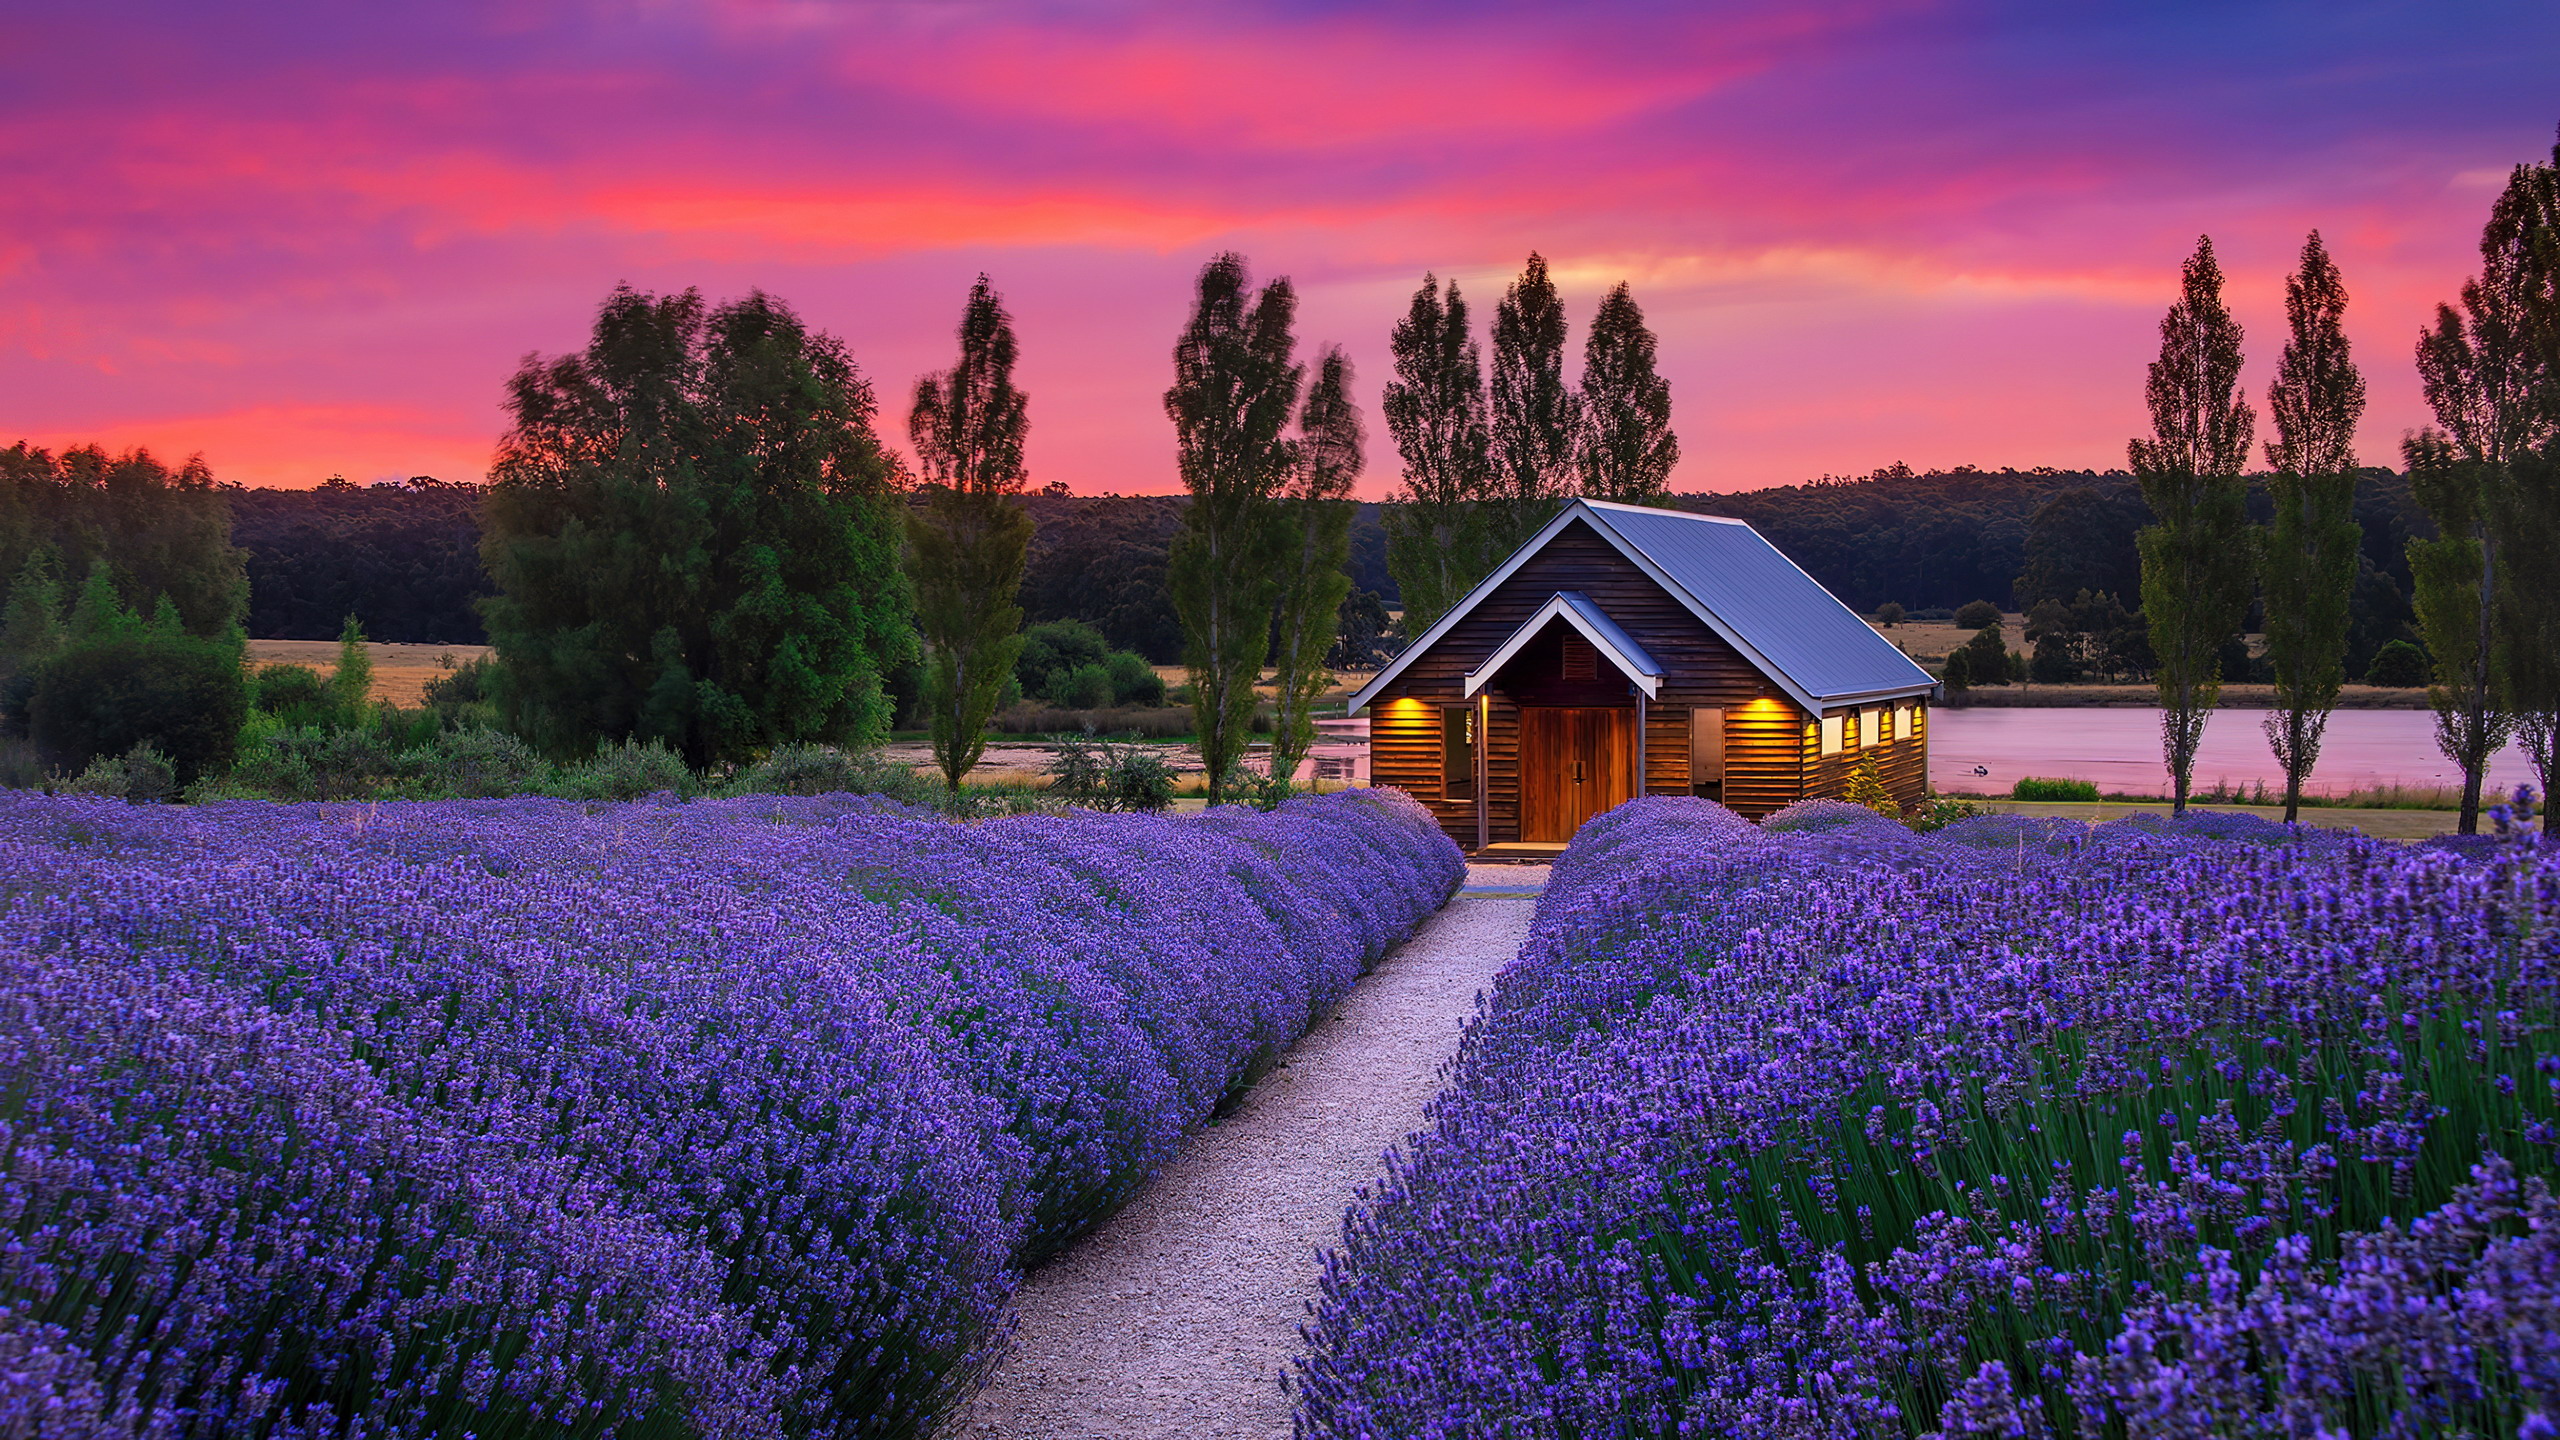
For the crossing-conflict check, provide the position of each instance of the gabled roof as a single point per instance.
(1576, 609)
(1739, 585)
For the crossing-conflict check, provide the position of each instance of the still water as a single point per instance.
(2120, 750)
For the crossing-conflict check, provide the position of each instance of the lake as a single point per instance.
(2119, 749)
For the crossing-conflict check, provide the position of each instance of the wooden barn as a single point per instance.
(1628, 650)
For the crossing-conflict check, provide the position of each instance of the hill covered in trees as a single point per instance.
(405, 557)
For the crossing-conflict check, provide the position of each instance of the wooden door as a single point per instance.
(1575, 762)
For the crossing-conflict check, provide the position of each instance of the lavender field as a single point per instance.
(1827, 1129)
(534, 1118)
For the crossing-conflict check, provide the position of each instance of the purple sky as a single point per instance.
(311, 240)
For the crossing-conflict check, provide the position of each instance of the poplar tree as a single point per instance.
(2487, 372)
(968, 537)
(1315, 527)
(1235, 388)
(1627, 448)
(2196, 557)
(1438, 535)
(1535, 415)
(2524, 233)
(2310, 551)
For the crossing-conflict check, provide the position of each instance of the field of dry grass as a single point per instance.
(400, 672)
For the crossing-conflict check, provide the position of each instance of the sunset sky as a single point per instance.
(312, 239)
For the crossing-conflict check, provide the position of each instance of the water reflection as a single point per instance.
(2119, 749)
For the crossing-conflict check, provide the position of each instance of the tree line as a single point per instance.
(2486, 475)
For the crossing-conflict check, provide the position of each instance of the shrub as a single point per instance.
(627, 770)
(1889, 614)
(296, 695)
(1958, 671)
(1134, 682)
(2025, 1129)
(1087, 687)
(142, 775)
(1099, 775)
(1866, 787)
(1057, 648)
(2398, 664)
(465, 694)
(183, 695)
(2035, 787)
(478, 762)
(1975, 614)
(825, 770)
(725, 1120)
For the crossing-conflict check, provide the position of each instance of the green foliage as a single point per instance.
(967, 544)
(2309, 560)
(1057, 648)
(1100, 775)
(1942, 811)
(1866, 787)
(1133, 680)
(1890, 614)
(1535, 418)
(351, 683)
(2398, 664)
(626, 770)
(153, 532)
(2196, 559)
(1626, 450)
(1235, 390)
(691, 532)
(1974, 614)
(1958, 671)
(1315, 528)
(464, 694)
(1440, 540)
(297, 696)
(1086, 687)
(141, 775)
(1986, 657)
(103, 696)
(2034, 787)
(31, 632)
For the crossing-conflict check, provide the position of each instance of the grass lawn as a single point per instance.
(2382, 824)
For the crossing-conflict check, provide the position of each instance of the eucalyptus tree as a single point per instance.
(1235, 389)
(2309, 565)
(968, 536)
(2196, 554)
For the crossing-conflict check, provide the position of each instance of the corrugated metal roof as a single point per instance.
(1731, 573)
(1625, 643)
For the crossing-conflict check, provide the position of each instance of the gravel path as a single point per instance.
(1178, 1316)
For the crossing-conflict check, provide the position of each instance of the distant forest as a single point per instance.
(404, 558)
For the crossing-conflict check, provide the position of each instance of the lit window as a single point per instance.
(1870, 726)
(1831, 734)
(1902, 722)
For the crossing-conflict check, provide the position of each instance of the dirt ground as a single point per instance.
(1178, 1316)
(400, 672)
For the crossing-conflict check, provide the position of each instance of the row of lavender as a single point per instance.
(532, 1118)
(1827, 1129)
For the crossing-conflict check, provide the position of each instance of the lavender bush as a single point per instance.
(1822, 1128)
(530, 1117)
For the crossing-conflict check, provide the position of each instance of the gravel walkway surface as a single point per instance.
(1178, 1316)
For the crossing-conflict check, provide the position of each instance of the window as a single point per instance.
(1706, 754)
(1871, 726)
(1458, 752)
(1581, 660)
(1902, 721)
(1831, 739)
